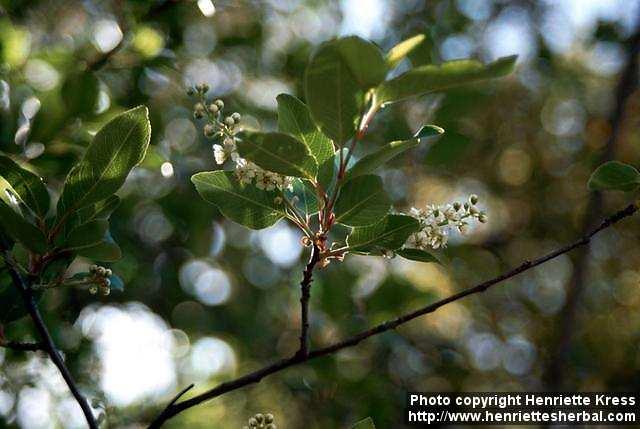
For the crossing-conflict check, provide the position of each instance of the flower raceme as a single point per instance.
(437, 222)
(225, 129)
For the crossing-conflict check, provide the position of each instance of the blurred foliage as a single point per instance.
(206, 300)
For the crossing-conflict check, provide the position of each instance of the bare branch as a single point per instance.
(47, 342)
(305, 295)
(254, 377)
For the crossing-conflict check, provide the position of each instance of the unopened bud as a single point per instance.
(209, 130)
(236, 117)
(213, 108)
(229, 121)
(203, 88)
(219, 103)
(268, 418)
(456, 206)
(190, 91)
(93, 289)
(108, 272)
(473, 199)
(259, 417)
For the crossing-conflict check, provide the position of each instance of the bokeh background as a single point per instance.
(207, 300)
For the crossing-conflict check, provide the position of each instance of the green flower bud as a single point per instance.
(253, 422)
(473, 199)
(203, 88)
(259, 417)
(456, 206)
(93, 289)
(191, 92)
(209, 130)
(236, 117)
(268, 418)
(219, 103)
(108, 272)
(213, 108)
(229, 121)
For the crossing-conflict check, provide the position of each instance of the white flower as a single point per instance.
(219, 154)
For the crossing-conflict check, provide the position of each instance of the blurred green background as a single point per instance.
(207, 300)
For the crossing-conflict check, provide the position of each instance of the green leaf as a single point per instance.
(364, 424)
(280, 153)
(364, 59)
(27, 185)
(428, 131)
(362, 201)
(333, 93)
(402, 49)
(88, 234)
(390, 233)
(105, 251)
(294, 118)
(116, 283)
(430, 78)
(614, 175)
(372, 161)
(100, 210)
(418, 255)
(20, 230)
(307, 200)
(118, 147)
(242, 203)
(81, 91)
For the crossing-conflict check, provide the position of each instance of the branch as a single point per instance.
(47, 342)
(22, 347)
(254, 377)
(305, 295)
(566, 323)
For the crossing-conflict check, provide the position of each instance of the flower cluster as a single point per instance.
(437, 222)
(224, 130)
(99, 279)
(261, 421)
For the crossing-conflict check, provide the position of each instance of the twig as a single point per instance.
(566, 323)
(47, 342)
(176, 408)
(22, 347)
(305, 295)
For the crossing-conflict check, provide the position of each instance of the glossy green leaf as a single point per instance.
(364, 59)
(362, 201)
(364, 424)
(280, 153)
(430, 78)
(614, 175)
(390, 233)
(428, 131)
(105, 251)
(418, 255)
(305, 197)
(333, 93)
(81, 91)
(118, 147)
(294, 118)
(372, 161)
(242, 203)
(402, 49)
(88, 234)
(20, 230)
(27, 185)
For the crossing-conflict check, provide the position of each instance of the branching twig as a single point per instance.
(47, 342)
(176, 408)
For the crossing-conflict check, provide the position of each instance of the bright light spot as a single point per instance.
(30, 108)
(104, 102)
(519, 355)
(135, 355)
(511, 33)
(41, 75)
(211, 356)
(263, 92)
(107, 35)
(34, 408)
(180, 133)
(366, 18)
(210, 285)
(281, 243)
(166, 169)
(148, 42)
(207, 8)
(485, 350)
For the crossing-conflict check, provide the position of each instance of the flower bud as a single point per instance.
(236, 117)
(105, 291)
(203, 88)
(253, 422)
(268, 418)
(483, 217)
(93, 289)
(209, 130)
(229, 121)
(213, 108)
(219, 103)
(473, 199)
(93, 268)
(259, 417)
(456, 206)
(190, 91)
(101, 271)
(270, 426)
(108, 272)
